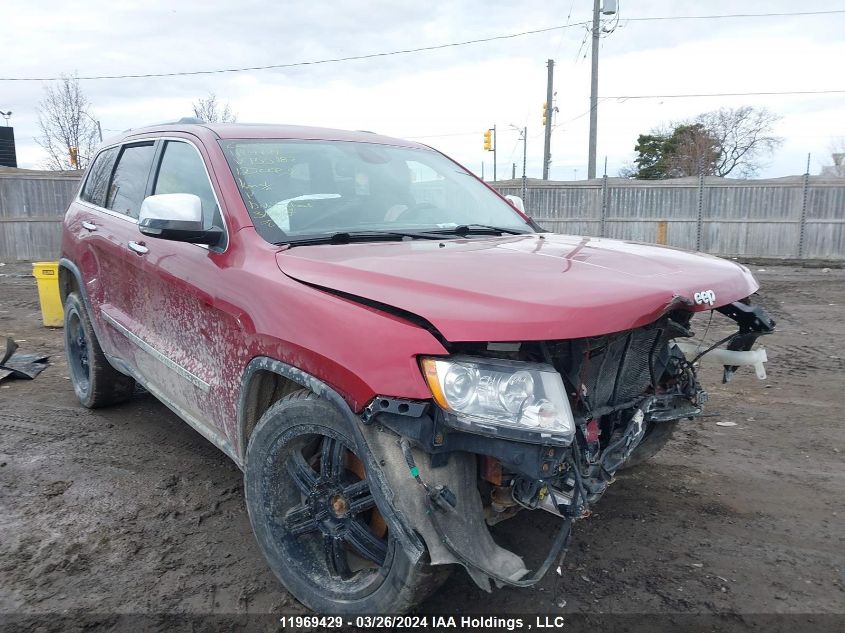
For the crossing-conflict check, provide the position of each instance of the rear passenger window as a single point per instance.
(95, 187)
(182, 171)
(129, 182)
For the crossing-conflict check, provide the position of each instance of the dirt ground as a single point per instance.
(128, 510)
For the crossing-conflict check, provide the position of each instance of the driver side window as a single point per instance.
(182, 171)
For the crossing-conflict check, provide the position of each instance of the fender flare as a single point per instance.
(73, 269)
(379, 485)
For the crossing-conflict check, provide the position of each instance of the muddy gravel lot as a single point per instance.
(129, 511)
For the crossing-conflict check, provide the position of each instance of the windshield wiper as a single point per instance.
(484, 229)
(347, 237)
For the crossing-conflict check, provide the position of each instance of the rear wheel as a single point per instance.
(316, 520)
(95, 381)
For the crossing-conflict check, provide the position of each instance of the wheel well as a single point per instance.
(265, 388)
(67, 282)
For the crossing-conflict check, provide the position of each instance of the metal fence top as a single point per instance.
(14, 172)
(689, 181)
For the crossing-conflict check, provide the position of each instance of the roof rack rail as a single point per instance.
(185, 120)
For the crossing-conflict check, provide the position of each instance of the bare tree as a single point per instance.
(743, 138)
(837, 154)
(210, 111)
(694, 150)
(68, 131)
(681, 149)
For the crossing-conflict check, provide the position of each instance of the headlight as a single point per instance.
(490, 395)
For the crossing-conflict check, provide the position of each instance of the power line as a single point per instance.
(728, 94)
(313, 62)
(732, 15)
(422, 48)
(673, 96)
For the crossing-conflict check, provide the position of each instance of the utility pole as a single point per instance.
(513, 171)
(594, 90)
(609, 9)
(547, 120)
(524, 160)
(494, 153)
(490, 146)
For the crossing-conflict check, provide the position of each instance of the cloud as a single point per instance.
(449, 96)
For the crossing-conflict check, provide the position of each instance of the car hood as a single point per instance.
(523, 287)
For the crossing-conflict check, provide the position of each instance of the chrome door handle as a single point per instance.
(139, 248)
(89, 226)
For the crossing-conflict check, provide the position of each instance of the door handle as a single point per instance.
(139, 248)
(90, 226)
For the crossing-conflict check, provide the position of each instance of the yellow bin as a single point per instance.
(47, 277)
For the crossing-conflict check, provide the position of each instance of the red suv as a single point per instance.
(395, 355)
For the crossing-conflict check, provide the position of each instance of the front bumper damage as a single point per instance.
(441, 500)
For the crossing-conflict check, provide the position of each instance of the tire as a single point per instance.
(314, 517)
(656, 437)
(95, 381)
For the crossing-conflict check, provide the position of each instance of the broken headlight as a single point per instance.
(493, 396)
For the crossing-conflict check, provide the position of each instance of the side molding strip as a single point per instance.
(152, 351)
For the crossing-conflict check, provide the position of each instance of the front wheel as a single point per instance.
(315, 519)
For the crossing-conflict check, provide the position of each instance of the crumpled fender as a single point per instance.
(465, 525)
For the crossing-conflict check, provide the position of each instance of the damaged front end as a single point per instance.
(540, 425)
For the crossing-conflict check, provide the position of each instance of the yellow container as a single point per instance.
(47, 277)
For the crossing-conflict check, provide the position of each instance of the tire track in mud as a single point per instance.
(54, 421)
(805, 360)
(26, 419)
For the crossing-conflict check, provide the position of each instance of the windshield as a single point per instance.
(297, 188)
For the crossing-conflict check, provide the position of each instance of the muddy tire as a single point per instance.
(95, 381)
(656, 437)
(315, 520)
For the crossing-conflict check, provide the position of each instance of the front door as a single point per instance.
(192, 338)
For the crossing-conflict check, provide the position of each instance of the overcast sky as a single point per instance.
(445, 98)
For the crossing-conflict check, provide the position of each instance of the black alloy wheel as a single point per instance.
(76, 343)
(95, 381)
(316, 519)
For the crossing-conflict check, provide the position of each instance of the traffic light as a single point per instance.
(488, 141)
(545, 113)
(74, 157)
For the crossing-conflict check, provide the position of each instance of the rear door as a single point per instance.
(111, 253)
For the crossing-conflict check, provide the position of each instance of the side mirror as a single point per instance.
(517, 202)
(178, 217)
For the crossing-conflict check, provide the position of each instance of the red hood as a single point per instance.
(519, 288)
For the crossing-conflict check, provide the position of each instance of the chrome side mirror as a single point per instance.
(178, 217)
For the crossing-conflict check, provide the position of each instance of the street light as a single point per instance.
(523, 136)
(99, 129)
(7, 116)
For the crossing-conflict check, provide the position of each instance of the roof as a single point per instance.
(270, 131)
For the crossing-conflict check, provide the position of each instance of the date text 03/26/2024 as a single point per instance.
(417, 622)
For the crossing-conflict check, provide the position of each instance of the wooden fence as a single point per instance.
(32, 204)
(797, 217)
